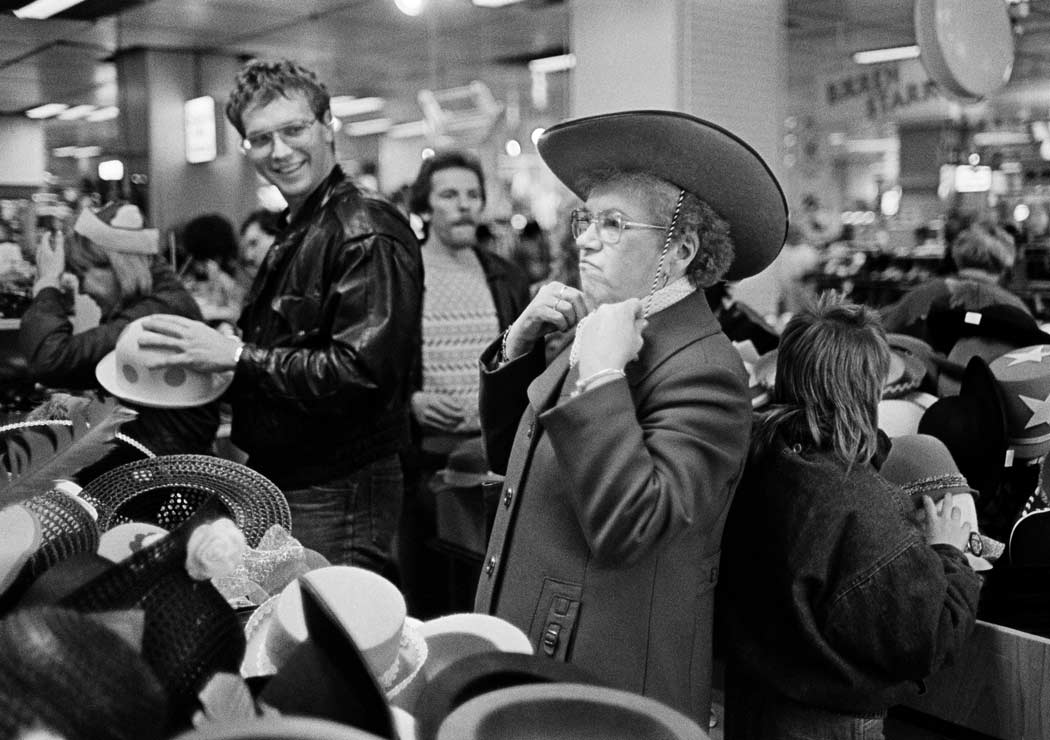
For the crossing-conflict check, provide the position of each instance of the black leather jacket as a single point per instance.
(331, 328)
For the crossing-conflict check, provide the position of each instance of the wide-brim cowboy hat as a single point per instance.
(566, 711)
(166, 490)
(696, 155)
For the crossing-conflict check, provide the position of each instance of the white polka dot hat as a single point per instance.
(124, 373)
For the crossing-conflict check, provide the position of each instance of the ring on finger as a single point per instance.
(561, 293)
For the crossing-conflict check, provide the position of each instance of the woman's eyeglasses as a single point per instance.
(610, 225)
(292, 134)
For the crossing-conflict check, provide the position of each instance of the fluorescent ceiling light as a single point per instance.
(889, 54)
(77, 111)
(559, 63)
(344, 106)
(1001, 138)
(46, 111)
(44, 8)
(86, 152)
(410, 7)
(873, 146)
(64, 151)
(103, 114)
(369, 127)
(409, 130)
(494, 3)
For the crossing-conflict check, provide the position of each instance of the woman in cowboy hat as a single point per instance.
(621, 456)
(115, 259)
(835, 605)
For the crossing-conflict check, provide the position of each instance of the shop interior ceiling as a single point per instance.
(369, 48)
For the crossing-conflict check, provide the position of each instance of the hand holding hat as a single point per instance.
(187, 343)
(151, 369)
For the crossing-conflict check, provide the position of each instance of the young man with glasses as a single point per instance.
(622, 454)
(329, 331)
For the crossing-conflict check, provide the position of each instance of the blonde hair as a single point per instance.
(132, 271)
(831, 366)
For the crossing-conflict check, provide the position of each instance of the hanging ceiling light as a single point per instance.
(410, 7)
(44, 8)
(889, 54)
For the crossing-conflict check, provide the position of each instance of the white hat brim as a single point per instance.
(107, 375)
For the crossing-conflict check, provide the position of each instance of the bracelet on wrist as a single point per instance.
(584, 384)
(502, 358)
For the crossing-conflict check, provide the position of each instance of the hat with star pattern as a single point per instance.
(1024, 377)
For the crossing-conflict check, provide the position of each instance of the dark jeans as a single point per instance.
(352, 520)
(754, 714)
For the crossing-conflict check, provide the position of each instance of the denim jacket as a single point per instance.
(830, 596)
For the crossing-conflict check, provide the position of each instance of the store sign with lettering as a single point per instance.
(901, 90)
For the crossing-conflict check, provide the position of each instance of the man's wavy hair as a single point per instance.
(261, 82)
(715, 249)
(419, 197)
(831, 367)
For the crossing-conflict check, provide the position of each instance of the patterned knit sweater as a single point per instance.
(459, 321)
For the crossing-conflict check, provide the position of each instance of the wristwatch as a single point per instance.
(976, 545)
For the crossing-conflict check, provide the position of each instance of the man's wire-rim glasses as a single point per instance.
(294, 132)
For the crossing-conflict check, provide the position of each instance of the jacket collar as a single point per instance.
(316, 200)
(682, 323)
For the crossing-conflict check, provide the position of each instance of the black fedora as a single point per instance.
(696, 155)
(972, 425)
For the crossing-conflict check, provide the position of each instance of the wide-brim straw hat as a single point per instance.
(166, 490)
(698, 156)
(191, 632)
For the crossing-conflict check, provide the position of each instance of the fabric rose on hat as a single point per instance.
(215, 549)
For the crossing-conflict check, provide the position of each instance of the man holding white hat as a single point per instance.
(329, 331)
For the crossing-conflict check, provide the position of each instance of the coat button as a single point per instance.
(490, 566)
(508, 497)
(528, 432)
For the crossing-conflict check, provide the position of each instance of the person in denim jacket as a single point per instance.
(834, 606)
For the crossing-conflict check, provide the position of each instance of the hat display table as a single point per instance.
(998, 685)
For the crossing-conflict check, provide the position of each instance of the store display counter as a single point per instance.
(998, 686)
